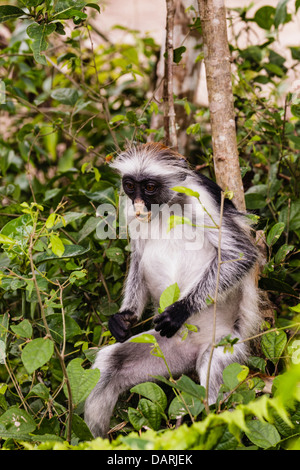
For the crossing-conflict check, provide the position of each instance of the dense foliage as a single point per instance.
(70, 98)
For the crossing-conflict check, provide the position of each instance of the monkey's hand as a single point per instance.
(120, 325)
(173, 317)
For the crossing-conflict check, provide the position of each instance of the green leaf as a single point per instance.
(50, 220)
(151, 412)
(67, 96)
(37, 353)
(255, 201)
(273, 344)
(80, 429)
(136, 418)
(233, 374)
(281, 13)
(68, 218)
(115, 255)
(295, 109)
(89, 226)
(284, 429)
(170, 295)
(153, 392)
(177, 54)
(274, 69)
(296, 308)
(23, 329)
(295, 53)
(181, 405)
(93, 5)
(40, 390)
(187, 191)
(16, 422)
(255, 362)
(275, 233)
(39, 33)
(10, 12)
(75, 275)
(186, 384)
(4, 239)
(252, 53)
(71, 251)
(16, 226)
(282, 253)
(57, 245)
(144, 338)
(82, 381)
(291, 215)
(58, 329)
(177, 220)
(262, 434)
(106, 195)
(64, 8)
(264, 17)
(276, 285)
(117, 118)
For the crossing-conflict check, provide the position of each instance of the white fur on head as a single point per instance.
(153, 158)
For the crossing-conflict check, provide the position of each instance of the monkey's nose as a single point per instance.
(141, 211)
(139, 207)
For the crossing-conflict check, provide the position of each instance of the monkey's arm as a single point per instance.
(134, 301)
(238, 255)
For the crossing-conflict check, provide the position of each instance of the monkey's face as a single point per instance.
(145, 192)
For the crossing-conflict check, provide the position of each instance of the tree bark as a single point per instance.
(169, 109)
(219, 88)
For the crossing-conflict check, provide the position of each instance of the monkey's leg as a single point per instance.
(124, 365)
(220, 360)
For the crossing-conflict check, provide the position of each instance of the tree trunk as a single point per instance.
(219, 88)
(187, 71)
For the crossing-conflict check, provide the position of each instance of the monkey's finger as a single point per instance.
(163, 327)
(121, 336)
(167, 331)
(119, 329)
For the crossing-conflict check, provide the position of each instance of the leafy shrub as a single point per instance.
(69, 104)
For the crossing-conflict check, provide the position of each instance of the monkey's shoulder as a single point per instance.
(214, 191)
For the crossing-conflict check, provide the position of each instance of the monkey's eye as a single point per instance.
(129, 186)
(150, 187)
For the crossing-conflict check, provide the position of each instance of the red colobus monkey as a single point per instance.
(149, 172)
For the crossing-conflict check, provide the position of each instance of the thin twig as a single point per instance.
(213, 341)
(43, 314)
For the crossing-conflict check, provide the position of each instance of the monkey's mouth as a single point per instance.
(143, 216)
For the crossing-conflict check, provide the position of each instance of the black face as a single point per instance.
(150, 190)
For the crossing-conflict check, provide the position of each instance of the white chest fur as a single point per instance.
(165, 262)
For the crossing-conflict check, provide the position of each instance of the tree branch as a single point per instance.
(169, 110)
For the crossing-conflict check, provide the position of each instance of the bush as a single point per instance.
(70, 103)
